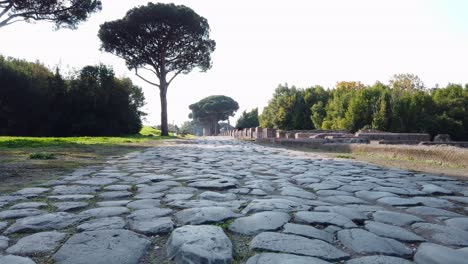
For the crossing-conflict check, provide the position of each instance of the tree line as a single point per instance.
(34, 101)
(404, 105)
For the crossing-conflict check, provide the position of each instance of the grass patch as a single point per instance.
(344, 156)
(26, 161)
(42, 156)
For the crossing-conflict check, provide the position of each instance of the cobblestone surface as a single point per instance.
(218, 200)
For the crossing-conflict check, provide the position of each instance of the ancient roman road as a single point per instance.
(223, 201)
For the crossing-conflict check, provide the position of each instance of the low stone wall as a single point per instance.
(398, 142)
(395, 136)
(322, 137)
(461, 144)
(334, 135)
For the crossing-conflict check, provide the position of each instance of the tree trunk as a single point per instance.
(162, 95)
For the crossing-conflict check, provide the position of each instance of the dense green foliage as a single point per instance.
(36, 102)
(404, 105)
(248, 119)
(212, 109)
(163, 39)
(64, 13)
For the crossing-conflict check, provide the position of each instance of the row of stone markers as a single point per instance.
(221, 201)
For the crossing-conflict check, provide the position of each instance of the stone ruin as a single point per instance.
(341, 137)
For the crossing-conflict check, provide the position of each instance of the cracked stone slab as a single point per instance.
(281, 258)
(199, 244)
(259, 222)
(103, 247)
(364, 242)
(196, 216)
(36, 244)
(285, 243)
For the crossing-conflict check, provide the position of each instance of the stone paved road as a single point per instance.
(220, 201)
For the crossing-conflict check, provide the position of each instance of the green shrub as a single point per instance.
(42, 156)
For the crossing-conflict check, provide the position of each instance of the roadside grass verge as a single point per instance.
(26, 161)
(448, 160)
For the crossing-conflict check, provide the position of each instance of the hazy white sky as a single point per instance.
(263, 43)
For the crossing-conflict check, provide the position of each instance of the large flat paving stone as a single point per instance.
(154, 226)
(308, 231)
(144, 204)
(396, 218)
(70, 206)
(323, 218)
(29, 205)
(103, 247)
(285, 243)
(149, 214)
(276, 204)
(37, 244)
(199, 244)
(196, 216)
(53, 221)
(281, 258)
(11, 259)
(216, 196)
(444, 234)
(431, 211)
(4, 242)
(259, 222)
(19, 213)
(101, 212)
(364, 242)
(378, 260)
(391, 231)
(218, 184)
(429, 253)
(74, 189)
(102, 224)
(461, 223)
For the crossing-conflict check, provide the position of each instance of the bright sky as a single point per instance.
(263, 43)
